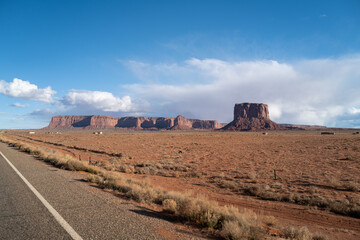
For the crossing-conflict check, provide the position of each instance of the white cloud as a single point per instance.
(274, 111)
(44, 112)
(18, 119)
(354, 111)
(26, 90)
(98, 100)
(19, 105)
(304, 92)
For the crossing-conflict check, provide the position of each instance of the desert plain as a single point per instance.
(302, 178)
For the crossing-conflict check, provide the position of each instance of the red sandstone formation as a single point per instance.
(59, 122)
(182, 123)
(103, 122)
(252, 117)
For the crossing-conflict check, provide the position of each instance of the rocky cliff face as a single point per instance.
(182, 123)
(104, 122)
(59, 122)
(252, 117)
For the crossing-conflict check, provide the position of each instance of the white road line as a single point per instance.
(56, 215)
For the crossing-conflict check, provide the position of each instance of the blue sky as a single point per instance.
(164, 58)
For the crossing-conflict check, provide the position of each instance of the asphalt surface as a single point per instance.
(91, 212)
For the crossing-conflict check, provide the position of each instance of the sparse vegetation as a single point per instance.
(202, 160)
(297, 233)
(302, 234)
(194, 209)
(346, 207)
(169, 205)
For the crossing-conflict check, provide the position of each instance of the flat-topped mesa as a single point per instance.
(251, 110)
(145, 122)
(252, 117)
(102, 122)
(59, 122)
(105, 122)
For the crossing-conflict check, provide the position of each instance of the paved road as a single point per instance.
(90, 212)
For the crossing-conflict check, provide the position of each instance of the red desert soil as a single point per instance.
(222, 165)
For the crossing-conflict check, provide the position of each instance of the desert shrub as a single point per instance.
(126, 168)
(317, 200)
(277, 185)
(269, 220)
(136, 190)
(228, 184)
(199, 210)
(251, 175)
(263, 192)
(302, 234)
(318, 236)
(297, 233)
(169, 205)
(334, 183)
(352, 186)
(239, 224)
(193, 174)
(232, 230)
(338, 207)
(95, 179)
(346, 208)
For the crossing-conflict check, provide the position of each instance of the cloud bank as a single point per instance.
(84, 102)
(97, 100)
(74, 102)
(322, 92)
(26, 90)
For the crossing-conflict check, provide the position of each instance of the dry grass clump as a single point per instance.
(297, 233)
(210, 214)
(252, 175)
(352, 186)
(270, 221)
(319, 236)
(163, 168)
(68, 163)
(240, 225)
(302, 234)
(264, 192)
(137, 190)
(234, 231)
(228, 184)
(200, 210)
(349, 207)
(197, 209)
(25, 148)
(169, 205)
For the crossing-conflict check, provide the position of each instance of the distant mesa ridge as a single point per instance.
(247, 117)
(106, 122)
(252, 117)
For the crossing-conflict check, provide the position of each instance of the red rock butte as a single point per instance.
(251, 117)
(105, 122)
